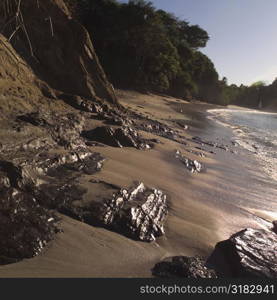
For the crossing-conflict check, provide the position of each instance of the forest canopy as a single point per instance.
(145, 48)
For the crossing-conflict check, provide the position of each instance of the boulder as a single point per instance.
(139, 212)
(25, 226)
(248, 253)
(184, 267)
(124, 136)
(192, 165)
(65, 129)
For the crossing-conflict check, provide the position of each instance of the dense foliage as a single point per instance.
(257, 95)
(143, 48)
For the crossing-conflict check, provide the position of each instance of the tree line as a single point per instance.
(145, 48)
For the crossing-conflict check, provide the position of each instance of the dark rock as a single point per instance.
(64, 129)
(274, 226)
(58, 165)
(82, 104)
(182, 125)
(116, 137)
(139, 212)
(25, 226)
(13, 175)
(203, 142)
(61, 172)
(159, 129)
(182, 266)
(156, 141)
(191, 165)
(198, 153)
(33, 118)
(38, 144)
(61, 196)
(59, 187)
(67, 130)
(249, 253)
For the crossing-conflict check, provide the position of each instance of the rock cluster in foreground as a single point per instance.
(25, 226)
(248, 253)
(183, 266)
(139, 212)
(28, 191)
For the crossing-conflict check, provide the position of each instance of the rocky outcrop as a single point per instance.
(64, 57)
(192, 165)
(155, 127)
(204, 143)
(25, 226)
(139, 212)
(248, 253)
(183, 267)
(124, 136)
(65, 129)
(29, 189)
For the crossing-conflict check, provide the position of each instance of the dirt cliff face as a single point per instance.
(20, 89)
(56, 47)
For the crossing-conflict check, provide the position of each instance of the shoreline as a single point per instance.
(205, 208)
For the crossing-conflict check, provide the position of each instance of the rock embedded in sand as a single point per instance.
(124, 136)
(183, 266)
(202, 142)
(56, 165)
(192, 165)
(25, 226)
(249, 253)
(139, 212)
(60, 186)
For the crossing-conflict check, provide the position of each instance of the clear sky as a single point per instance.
(243, 35)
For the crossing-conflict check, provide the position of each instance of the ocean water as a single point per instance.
(255, 131)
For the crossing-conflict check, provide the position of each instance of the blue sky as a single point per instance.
(243, 35)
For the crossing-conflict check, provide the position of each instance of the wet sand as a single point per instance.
(205, 208)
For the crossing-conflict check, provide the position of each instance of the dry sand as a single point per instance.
(205, 208)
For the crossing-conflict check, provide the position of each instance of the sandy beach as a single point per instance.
(204, 208)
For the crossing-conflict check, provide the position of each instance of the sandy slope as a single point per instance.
(204, 208)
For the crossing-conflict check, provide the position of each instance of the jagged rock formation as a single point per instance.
(25, 226)
(183, 266)
(155, 127)
(65, 129)
(26, 222)
(248, 253)
(138, 212)
(192, 165)
(124, 136)
(64, 57)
